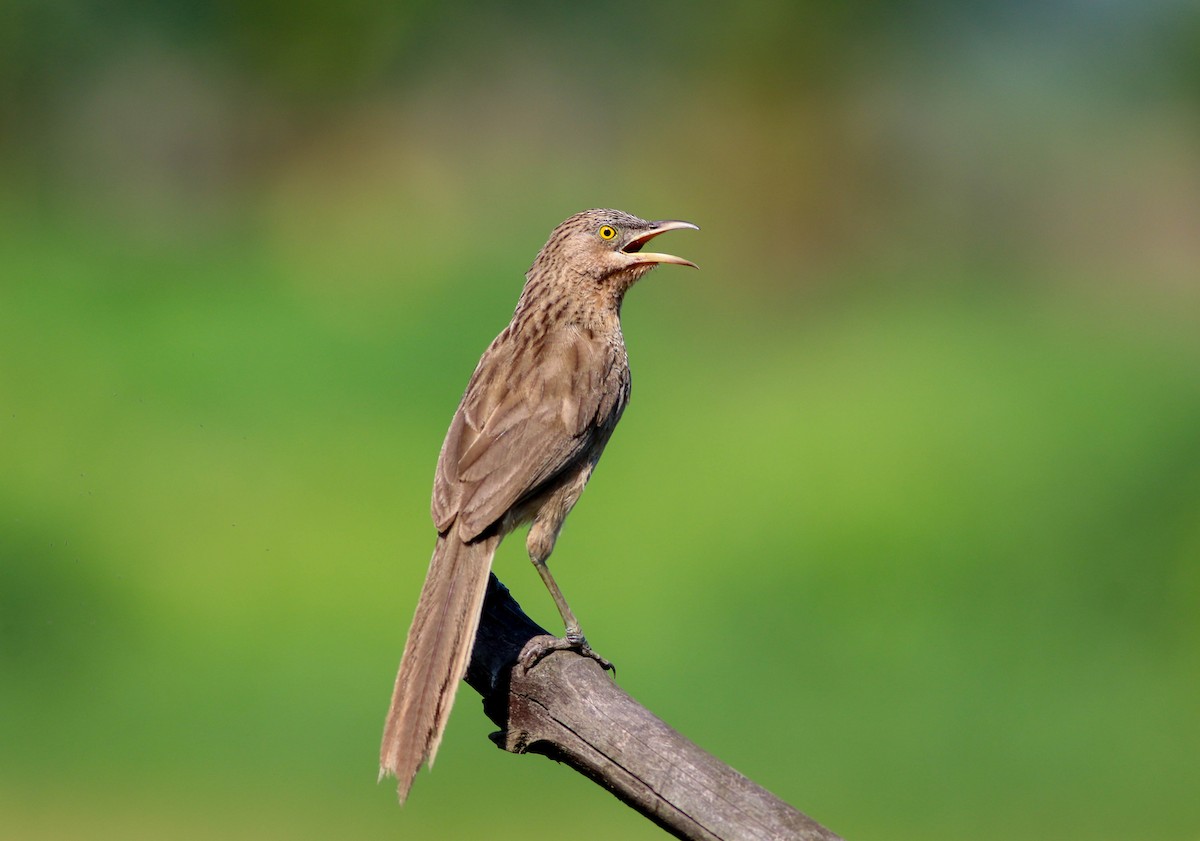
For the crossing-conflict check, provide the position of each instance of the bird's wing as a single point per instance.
(525, 417)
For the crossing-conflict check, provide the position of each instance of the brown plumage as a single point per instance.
(531, 426)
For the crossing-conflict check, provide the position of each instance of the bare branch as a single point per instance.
(567, 708)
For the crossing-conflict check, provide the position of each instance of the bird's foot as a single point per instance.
(538, 647)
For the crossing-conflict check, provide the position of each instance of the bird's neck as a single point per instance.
(560, 300)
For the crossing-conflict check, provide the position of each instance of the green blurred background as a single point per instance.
(903, 520)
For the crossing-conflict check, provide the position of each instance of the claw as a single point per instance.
(538, 647)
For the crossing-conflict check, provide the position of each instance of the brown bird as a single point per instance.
(535, 417)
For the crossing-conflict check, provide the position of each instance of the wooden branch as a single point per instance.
(568, 708)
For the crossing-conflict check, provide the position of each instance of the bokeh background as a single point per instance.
(903, 520)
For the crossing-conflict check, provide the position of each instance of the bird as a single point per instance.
(533, 421)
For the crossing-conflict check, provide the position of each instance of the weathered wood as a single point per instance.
(567, 708)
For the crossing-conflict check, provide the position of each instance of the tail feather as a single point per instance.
(435, 655)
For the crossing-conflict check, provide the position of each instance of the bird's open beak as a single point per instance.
(634, 246)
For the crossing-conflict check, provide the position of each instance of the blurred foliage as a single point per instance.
(903, 521)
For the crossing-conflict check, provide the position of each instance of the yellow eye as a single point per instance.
(607, 232)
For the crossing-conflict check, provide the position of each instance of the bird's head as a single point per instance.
(607, 246)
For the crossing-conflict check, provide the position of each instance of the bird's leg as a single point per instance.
(573, 640)
(573, 634)
(543, 532)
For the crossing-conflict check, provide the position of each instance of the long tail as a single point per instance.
(435, 655)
